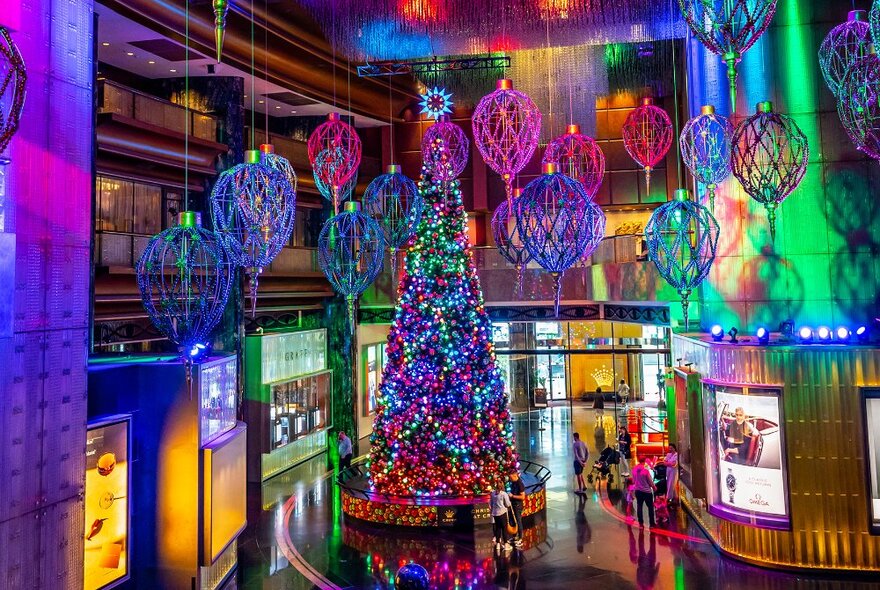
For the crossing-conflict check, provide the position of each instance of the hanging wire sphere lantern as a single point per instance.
(340, 137)
(253, 208)
(323, 170)
(556, 221)
(13, 79)
(857, 104)
(579, 157)
(455, 146)
(350, 252)
(184, 276)
(682, 239)
(843, 45)
(506, 126)
(728, 28)
(770, 154)
(505, 230)
(395, 203)
(705, 143)
(874, 20)
(279, 164)
(647, 135)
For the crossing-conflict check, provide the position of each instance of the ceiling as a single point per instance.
(131, 46)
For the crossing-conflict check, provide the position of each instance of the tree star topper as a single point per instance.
(436, 102)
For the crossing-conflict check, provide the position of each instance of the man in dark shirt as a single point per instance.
(517, 498)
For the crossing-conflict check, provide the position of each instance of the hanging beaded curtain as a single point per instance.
(705, 143)
(857, 104)
(13, 78)
(844, 45)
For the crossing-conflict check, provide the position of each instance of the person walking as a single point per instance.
(499, 502)
(671, 462)
(623, 391)
(624, 446)
(343, 445)
(581, 454)
(517, 499)
(643, 480)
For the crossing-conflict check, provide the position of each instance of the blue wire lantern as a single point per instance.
(843, 45)
(705, 145)
(184, 276)
(394, 201)
(253, 207)
(350, 252)
(682, 239)
(505, 230)
(556, 220)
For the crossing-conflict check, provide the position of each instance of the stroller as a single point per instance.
(602, 466)
(661, 509)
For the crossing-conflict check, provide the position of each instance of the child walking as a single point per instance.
(499, 504)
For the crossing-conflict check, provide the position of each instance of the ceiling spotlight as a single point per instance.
(261, 101)
(105, 44)
(129, 54)
(763, 335)
(843, 334)
(717, 333)
(277, 107)
(824, 334)
(151, 62)
(805, 334)
(732, 333)
(862, 333)
(173, 71)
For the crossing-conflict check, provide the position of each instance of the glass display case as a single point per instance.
(217, 398)
(299, 407)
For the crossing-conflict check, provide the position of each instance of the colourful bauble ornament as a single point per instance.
(350, 252)
(682, 239)
(342, 140)
(857, 104)
(579, 157)
(394, 202)
(843, 45)
(13, 79)
(505, 230)
(770, 154)
(506, 126)
(728, 28)
(184, 276)
(253, 207)
(647, 135)
(557, 223)
(454, 148)
(705, 144)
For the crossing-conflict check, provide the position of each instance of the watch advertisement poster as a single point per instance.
(106, 561)
(746, 448)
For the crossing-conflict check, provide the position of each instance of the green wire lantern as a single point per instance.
(728, 28)
(770, 154)
(682, 239)
(844, 45)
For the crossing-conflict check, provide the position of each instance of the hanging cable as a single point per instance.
(266, 61)
(186, 125)
(253, 78)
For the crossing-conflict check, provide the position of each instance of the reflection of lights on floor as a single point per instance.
(609, 508)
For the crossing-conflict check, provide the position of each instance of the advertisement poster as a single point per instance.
(750, 469)
(106, 505)
(872, 431)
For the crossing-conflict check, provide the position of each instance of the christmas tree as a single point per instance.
(442, 426)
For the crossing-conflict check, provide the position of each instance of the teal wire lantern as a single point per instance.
(682, 239)
(728, 28)
(184, 276)
(844, 45)
(705, 143)
(350, 252)
(857, 104)
(510, 244)
(558, 223)
(253, 208)
(770, 154)
(394, 202)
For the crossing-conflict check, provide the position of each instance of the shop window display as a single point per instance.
(872, 456)
(218, 402)
(375, 359)
(299, 407)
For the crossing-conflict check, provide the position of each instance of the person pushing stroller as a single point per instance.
(602, 466)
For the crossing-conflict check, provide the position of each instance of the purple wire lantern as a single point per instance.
(770, 154)
(557, 222)
(505, 230)
(341, 138)
(728, 28)
(395, 203)
(857, 104)
(13, 78)
(506, 128)
(705, 144)
(455, 145)
(579, 157)
(844, 45)
(647, 135)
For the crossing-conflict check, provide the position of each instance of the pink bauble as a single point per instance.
(647, 135)
(455, 147)
(340, 139)
(578, 156)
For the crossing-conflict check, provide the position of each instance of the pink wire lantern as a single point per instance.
(506, 128)
(454, 143)
(647, 135)
(578, 156)
(341, 138)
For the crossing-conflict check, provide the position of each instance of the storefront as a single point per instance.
(287, 400)
(779, 449)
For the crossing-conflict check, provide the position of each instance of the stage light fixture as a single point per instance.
(843, 334)
(862, 333)
(824, 334)
(763, 335)
(732, 333)
(805, 334)
(717, 333)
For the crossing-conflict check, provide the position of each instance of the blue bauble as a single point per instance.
(412, 576)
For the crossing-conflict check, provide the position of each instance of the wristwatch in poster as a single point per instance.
(731, 484)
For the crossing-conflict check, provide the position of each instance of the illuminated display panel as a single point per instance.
(106, 560)
(872, 456)
(744, 434)
(218, 383)
(289, 355)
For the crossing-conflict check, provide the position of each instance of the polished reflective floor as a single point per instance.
(296, 537)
